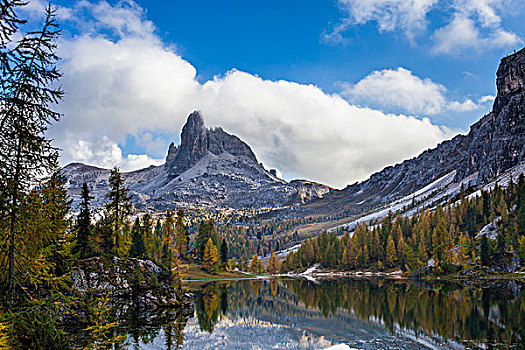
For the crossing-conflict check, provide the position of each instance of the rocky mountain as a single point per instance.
(493, 146)
(213, 168)
(209, 168)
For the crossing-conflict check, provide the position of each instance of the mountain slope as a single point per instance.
(209, 168)
(493, 145)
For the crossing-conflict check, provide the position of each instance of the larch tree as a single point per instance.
(167, 241)
(391, 253)
(272, 266)
(255, 265)
(56, 206)
(28, 91)
(170, 256)
(181, 234)
(521, 205)
(211, 256)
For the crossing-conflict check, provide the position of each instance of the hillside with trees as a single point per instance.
(479, 229)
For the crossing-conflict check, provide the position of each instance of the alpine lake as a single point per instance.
(349, 313)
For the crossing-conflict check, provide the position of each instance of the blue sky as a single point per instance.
(283, 40)
(330, 90)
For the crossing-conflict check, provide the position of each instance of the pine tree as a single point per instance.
(147, 234)
(211, 256)
(206, 230)
(119, 206)
(45, 247)
(484, 252)
(224, 251)
(170, 256)
(500, 240)
(411, 258)
(82, 246)
(138, 248)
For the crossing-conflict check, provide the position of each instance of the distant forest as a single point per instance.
(448, 234)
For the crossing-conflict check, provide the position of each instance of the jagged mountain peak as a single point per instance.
(197, 141)
(209, 168)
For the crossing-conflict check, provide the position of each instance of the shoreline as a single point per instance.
(321, 274)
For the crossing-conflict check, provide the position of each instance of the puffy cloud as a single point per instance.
(407, 15)
(122, 85)
(108, 154)
(463, 33)
(399, 90)
(473, 24)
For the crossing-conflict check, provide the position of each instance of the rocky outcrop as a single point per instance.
(494, 144)
(504, 262)
(197, 141)
(138, 280)
(497, 141)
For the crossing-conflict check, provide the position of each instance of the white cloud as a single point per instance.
(108, 154)
(131, 86)
(463, 33)
(399, 90)
(488, 98)
(407, 15)
(35, 9)
(473, 24)
(465, 106)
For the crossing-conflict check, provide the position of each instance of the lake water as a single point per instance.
(360, 313)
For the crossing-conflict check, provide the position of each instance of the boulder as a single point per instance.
(140, 281)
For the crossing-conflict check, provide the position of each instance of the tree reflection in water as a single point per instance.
(473, 316)
(494, 314)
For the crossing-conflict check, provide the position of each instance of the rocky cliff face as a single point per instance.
(209, 168)
(493, 145)
(197, 141)
(497, 141)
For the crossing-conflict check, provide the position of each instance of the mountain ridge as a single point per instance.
(213, 168)
(494, 144)
(210, 167)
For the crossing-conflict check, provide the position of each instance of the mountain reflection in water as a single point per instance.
(364, 314)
